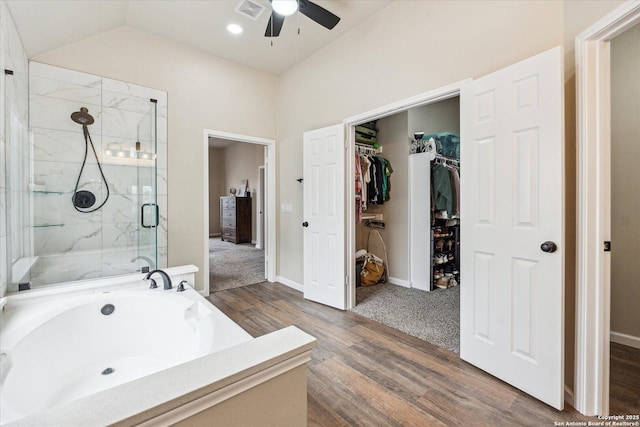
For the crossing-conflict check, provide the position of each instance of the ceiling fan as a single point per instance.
(282, 8)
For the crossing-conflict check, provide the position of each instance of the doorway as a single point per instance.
(264, 156)
(593, 291)
(416, 238)
(429, 98)
(625, 234)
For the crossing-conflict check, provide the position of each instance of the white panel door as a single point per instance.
(512, 292)
(420, 221)
(324, 216)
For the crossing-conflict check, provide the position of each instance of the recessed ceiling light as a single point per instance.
(234, 28)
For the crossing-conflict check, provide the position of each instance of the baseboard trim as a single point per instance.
(624, 339)
(399, 282)
(215, 234)
(568, 395)
(290, 283)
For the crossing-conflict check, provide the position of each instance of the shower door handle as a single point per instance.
(142, 215)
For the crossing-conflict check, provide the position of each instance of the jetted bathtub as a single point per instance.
(58, 347)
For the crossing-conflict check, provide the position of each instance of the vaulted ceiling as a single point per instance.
(45, 25)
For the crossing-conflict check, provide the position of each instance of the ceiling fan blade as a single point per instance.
(318, 13)
(277, 21)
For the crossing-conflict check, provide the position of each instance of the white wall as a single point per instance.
(441, 42)
(204, 92)
(625, 182)
(442, 116)
(242, 161)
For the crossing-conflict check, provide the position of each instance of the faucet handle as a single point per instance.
(181, 286)
(153, 285)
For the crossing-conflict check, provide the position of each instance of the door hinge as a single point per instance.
(346, 280)
(607, 246)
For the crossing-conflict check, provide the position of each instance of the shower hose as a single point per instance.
(87, 140)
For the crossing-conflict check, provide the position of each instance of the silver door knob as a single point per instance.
(305, 224)
(548, 247)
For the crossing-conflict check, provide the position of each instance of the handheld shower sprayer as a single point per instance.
(83, 199)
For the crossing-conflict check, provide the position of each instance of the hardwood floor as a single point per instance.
(363, 373)
(625, 380)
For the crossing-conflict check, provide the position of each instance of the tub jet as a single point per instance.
(108, 371)
(107, 309)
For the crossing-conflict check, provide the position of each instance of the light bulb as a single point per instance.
(284, 7)
(234, 28)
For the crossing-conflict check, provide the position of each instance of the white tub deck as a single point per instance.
(272, 368)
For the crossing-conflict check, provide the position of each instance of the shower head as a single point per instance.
(82, 117)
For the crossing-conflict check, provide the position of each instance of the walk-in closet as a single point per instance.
(408, 221)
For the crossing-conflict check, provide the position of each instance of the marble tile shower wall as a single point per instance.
(14, 108)
(72, 245)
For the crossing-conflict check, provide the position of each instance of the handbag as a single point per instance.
(372, 270)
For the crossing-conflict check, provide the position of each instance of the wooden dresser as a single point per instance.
(235, 219)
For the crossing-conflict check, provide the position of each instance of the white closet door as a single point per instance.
(420, 220)
(512, 293)
(324, 216)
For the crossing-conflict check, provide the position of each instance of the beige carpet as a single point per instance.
(232, 266)
(430, 316)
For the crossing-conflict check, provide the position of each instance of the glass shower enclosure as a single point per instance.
(91, 194)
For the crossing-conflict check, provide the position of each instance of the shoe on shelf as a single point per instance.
(448, 245)
(443, 282)
(439, 246)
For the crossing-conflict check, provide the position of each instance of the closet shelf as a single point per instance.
(46, 192)
(445, 252)
(376, 217)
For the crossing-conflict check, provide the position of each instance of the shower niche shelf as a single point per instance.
(46, 192)
(47, 225)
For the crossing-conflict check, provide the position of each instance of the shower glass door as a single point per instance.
(93, 182)
(147, 191)
(15, 244)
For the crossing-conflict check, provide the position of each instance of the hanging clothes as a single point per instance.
(378, 189)
(372, 182)
(445, 190)
(455, 178)
(442, 188)
(386, 179)
(365, 166)
(359, 186)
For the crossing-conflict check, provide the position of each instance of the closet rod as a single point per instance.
(366, 149)
(447, 160)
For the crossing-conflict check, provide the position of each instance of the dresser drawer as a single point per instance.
(229, 222)
(229, 234)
